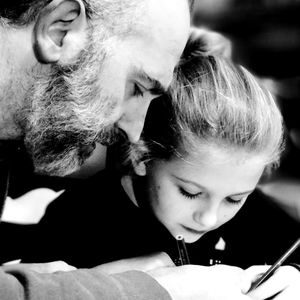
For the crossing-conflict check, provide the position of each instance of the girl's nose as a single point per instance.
(206, 217)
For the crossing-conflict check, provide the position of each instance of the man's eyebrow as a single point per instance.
(155, 86)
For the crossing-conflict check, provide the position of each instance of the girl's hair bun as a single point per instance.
(206, 42)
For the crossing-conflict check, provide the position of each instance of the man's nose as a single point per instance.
(133, 119)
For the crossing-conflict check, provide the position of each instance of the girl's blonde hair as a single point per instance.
(212, 101)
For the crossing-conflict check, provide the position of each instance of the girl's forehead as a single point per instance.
(224, 171)
(217, 154)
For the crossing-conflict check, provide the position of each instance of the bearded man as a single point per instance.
(74, 73)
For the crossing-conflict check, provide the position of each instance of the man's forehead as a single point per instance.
(169, 28)
(165, 16)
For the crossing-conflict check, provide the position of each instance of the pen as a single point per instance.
(275, 266)
(183, 255)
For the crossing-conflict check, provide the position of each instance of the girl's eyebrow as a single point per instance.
(189, 181)
(242, 193)
(202, 187)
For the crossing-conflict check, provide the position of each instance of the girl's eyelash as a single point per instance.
(194, 196)
(188, 195)
(235, 202)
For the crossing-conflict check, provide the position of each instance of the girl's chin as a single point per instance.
(192, 239)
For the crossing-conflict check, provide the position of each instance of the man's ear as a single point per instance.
(60, 31)
(139, 168)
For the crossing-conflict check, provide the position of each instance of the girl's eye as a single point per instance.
(188, 195)
(234, 201)
(137, 91)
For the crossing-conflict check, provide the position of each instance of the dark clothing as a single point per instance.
(7, 152)
(20, 283)
(4, 176)
(97, 223)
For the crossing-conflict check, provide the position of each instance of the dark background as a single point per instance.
(266, 39)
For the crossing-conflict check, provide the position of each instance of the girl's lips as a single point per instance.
(193, 230)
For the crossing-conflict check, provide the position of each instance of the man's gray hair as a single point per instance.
(23, 12)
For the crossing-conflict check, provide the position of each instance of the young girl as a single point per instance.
(205, 147)
(206, 153)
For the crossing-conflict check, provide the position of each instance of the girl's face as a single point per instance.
(199, 193)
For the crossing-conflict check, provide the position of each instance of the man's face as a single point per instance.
(106, 92)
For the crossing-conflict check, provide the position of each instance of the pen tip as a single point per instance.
(179, 237)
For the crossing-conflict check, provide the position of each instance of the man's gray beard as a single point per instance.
(60, 152)
(65, 118)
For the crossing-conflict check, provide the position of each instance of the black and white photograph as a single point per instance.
(149, 150)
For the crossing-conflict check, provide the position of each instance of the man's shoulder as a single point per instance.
(87, 197)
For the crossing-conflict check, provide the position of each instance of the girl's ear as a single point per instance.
(140, 168)
(60, 32)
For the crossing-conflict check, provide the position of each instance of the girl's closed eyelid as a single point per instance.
(236, 201)
(188, 194)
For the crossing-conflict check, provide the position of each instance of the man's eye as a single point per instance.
(187, 194)
(137, 91)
